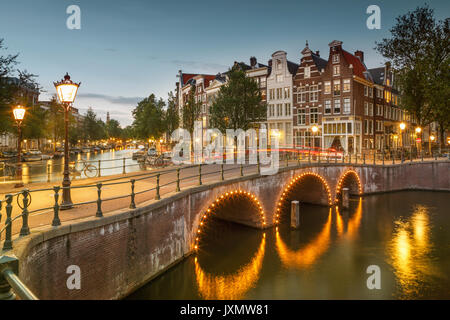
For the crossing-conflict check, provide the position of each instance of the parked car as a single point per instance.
(138, 154)
(32, 155)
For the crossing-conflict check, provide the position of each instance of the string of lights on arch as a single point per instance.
(341, 181)
(293, 182)
(227, 196)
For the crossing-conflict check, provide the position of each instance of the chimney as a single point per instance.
(318, 53)
(360, 55)
(253, 62)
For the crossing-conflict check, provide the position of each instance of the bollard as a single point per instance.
(7, 245)
(295, 214)
(99, 213)
(56, 222)
(123, 166)
(25, 230)
(200, 174)
(132, 204)
(48, 172)
(345, 198)
(178, 180)
(157, 197)
(99, 168)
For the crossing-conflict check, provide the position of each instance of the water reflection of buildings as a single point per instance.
(308, 255)
(233, 286)
(409, 252)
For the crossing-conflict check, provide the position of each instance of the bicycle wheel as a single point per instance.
(90, 171)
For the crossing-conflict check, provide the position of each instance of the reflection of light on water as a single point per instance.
(355, 221)
(410, 252)
(25, 173)
(234, 286)
(306, 256)
(339, 223)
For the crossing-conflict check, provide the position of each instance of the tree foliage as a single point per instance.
(191, 111)
(238, 104)
(419, 48)
(149, 118)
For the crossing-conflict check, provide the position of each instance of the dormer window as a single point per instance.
(335, 58)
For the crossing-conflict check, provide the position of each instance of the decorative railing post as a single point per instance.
(309, 156)
(200, 174)
(410, 155)
(421, 154)
(287, 160)
(178, 180)
(157, 197)
(7, 245)
(435, 156)
(132, 204)
(298, 158)
(259, 167)
(221, 172)
(383, 157)
(392, 156)
(99, 168)
(356, 158)
(374, 156)
(242, 170)
(25, 230)
(319, 156)
(123, 166)
(99, 213)
(48, 172)
(364, 158)
(56, 222)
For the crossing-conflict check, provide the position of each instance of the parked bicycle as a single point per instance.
(88, 169)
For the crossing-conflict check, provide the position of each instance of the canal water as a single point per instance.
(44, 170)
(405, 234)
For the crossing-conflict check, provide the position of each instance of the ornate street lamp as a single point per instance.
(67, 91)
(314, 130)
(19, 114)
(402, 126)
(418, 133)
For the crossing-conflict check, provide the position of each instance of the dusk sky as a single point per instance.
(127, 50)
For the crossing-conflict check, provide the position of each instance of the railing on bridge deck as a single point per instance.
(291, 158)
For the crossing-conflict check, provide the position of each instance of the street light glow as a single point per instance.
(402, 126)
(66, 89)
(19, 113)
(418, 130)
(314, 129)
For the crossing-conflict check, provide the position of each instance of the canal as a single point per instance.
(406, 234)
(111, 162)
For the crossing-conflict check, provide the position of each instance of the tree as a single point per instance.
(113, 128)
(238, 104)
(93, 128)
(419, 49)
(149, 118)
(191, 111)
(55, 123)
(171, 118)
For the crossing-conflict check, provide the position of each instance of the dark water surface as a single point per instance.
(406, 234)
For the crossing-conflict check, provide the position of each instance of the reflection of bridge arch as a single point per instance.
(295, 182)
(306, 256)
(221, 203)
(233, 286)
(349, 179)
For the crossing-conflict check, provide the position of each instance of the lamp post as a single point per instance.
(402, 127)
(314, 130)
(19, 114)
(67, 91)
(419, 146)
(432, 138)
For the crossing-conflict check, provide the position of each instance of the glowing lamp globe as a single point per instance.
(418, 129)
(19, 113)
(314, 129)
(402, 126)
(66, 89)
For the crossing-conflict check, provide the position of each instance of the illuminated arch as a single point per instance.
(341, 182)
(293, 182)
(228, 195)
(306, 256)
(233, 286)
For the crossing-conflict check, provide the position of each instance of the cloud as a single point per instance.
(111, 99)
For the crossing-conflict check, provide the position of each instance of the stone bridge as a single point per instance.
(123, 250)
